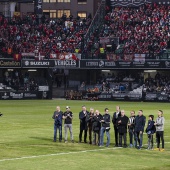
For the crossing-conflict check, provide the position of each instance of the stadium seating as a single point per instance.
(26, 35)
(140, 30)
(143, 29)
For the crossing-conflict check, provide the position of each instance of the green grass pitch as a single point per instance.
(26, 139)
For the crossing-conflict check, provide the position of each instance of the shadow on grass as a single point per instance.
(42, 138)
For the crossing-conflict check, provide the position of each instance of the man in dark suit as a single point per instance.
(89, 118)
(122, 122)
(114, 120)
(83, 124)
(131, 127)
(105, 127)
(96, 126)
(140, 121)
(57, 116)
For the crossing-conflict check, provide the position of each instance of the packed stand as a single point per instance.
(144, 29)
(28, 34)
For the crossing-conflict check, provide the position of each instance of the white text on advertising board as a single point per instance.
(9, 63)
(30, 95)
(39, 63)
(65, 63)
(110, 64)
(16, 95)
(92, 63)
(100, 63)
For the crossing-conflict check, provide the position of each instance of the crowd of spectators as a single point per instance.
(29, 34)
(121, 83)
(73, 95)
(16, 80)
(111, 83)
(141, 30)
(144, 29)
(160, 83)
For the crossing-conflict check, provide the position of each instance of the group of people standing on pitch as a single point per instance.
(96, 125)
(67, 116)
(135, 125)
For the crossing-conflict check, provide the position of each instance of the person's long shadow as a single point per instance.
(41, 138)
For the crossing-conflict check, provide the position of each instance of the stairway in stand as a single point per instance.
(58, 92)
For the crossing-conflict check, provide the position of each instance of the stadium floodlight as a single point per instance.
(150, 71)
(10, 69)
(32, 70)
(105, 70)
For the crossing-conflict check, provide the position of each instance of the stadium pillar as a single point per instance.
(38, 9)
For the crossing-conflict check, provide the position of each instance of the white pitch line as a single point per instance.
(55, 154)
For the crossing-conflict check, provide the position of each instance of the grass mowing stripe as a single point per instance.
(62, 153)
(26, 129)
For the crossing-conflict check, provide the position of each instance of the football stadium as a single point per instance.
(84, 84)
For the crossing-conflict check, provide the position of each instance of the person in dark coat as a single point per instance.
(150, 130)
(68, 117)
(89, 123)
(96, 126)
(105, 127)
(131, 127)
(114, 120)
(139, 128)
(83, 124)
(122, 122)
(57, 116)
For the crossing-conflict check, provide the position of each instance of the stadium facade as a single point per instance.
(51, 8)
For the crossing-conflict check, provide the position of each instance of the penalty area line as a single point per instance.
(56, 154)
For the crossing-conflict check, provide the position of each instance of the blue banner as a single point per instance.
(38, 7)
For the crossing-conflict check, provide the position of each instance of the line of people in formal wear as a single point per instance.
(96, 125)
